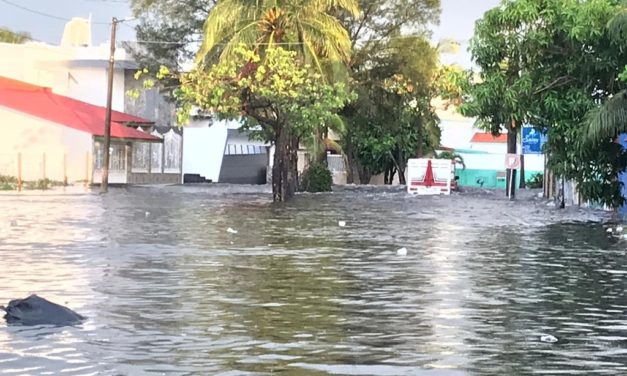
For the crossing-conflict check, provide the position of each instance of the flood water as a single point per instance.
(168, 291)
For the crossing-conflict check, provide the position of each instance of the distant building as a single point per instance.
(50, 136)
(217, 151)
(76, 69)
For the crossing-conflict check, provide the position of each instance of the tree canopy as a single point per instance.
(549, 63)
(16, 37)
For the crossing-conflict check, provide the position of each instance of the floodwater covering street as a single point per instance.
(487, 287)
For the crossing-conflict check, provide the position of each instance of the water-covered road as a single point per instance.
(169, 291)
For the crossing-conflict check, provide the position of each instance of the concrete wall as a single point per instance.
(67, 151)
(56, 67)
(244, 169)
(203, 148)
(146, 178)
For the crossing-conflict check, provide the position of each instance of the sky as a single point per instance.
(456, 22)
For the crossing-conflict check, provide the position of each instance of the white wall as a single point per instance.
(456, 133)
(489, 147)
(203, 148)
(90, 85)
(32, 137)
(50, 66)
(497, 162)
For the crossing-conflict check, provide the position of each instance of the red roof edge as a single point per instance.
(489, 138)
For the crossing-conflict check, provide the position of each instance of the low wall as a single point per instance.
(146, 178)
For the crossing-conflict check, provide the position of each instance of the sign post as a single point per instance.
(512, 163)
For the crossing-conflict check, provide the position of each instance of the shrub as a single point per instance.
(536, 181)
(317, 178)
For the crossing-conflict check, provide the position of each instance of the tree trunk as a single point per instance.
(523, 183)
(364, 175)
(401, 176)
(285, 168)
(511, 149)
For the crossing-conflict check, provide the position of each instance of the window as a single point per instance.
(141, 156)
(156, 155)
(172, 148)
(117, 156)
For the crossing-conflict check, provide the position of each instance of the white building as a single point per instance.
(76, 69)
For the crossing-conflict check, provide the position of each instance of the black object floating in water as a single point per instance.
(39, 311)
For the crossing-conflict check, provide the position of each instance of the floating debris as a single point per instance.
(231, 231)
(13, 223)
(609, 230)
(402, 252)
(147, 213)
(619, 228)
(548, 338)
(342, 223)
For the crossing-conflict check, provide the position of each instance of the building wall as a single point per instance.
(489, 147)
(151, 104)
(146, 178)
(488, 170)
(203, 148)
(68, 152)
(244, 169)
(54, 67)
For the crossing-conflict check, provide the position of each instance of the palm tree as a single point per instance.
(308, 26)
(610, 119)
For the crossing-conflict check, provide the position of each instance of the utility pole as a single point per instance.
(104, 184)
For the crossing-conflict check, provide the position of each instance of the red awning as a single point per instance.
(487, 137)
(43, 103)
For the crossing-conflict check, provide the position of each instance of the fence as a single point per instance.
(43, 169)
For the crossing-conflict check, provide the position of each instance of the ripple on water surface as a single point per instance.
(292, 292)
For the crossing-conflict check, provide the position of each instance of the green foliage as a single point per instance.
(393, 120)
(273, 91)
(548, 63)
(317, 178)
(452, 156)
(381, 20)
(9, 36)
(536, 181)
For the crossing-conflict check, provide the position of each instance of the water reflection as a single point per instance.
(168, 290)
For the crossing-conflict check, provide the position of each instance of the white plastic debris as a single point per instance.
(619, 228)
(147, 213)
(548, 338)
(609, 230)
(231, 231)
(402, 252)
(342, 223)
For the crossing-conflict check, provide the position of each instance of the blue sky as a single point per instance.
(457, 20)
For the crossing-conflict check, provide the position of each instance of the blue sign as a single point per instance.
(532, 140)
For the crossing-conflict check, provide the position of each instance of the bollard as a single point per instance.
(65, 170)
(19, 172)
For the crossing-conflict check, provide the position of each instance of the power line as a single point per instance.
(45, 14)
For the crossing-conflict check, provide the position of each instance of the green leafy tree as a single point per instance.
(550, 62)
(9, 36)
(281, 98)
(381, 50)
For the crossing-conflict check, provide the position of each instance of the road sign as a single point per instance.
(512, 161)
(532, 140)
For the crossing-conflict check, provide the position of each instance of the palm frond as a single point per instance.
(617, 28)
(609, 120)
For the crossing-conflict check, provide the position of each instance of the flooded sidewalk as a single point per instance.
(487, 286)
